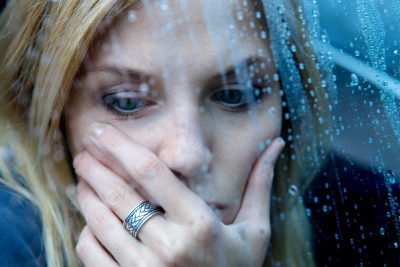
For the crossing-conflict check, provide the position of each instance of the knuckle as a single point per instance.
(173, 255)
(83, 246)
(207, 230)
(81, 166)
(114, 196)
(150, 167)
(97, 218)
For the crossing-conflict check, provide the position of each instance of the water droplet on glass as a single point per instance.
(272, 111)
(324, 208)
(261, 146)
(353, 80)
(131, 16)
(239, 15)
(164, 6)
(382, 231)
(391, 176)
(263, 35)
(395, 245)
(357, 53)
(308, 212)
(293, 190)
(396, 52)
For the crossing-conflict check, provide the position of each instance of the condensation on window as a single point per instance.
(354, 203)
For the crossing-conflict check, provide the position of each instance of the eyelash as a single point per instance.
(113, 101)
(248, 95)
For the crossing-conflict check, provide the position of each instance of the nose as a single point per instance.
(185, 147)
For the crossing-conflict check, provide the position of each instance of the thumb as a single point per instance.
(255, 203)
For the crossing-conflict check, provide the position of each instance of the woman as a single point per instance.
(177, 102)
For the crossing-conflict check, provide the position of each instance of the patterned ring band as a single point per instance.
(138, 216)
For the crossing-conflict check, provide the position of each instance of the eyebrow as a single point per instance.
(142, 77)
(122, 71)
(247, 62)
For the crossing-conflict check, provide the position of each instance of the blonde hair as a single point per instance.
(307, 82)
(50, 38)
(38, 39)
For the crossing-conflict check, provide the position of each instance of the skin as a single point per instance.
(206, 158)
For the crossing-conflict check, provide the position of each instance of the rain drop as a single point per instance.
(382, 231)
(239, 15)
(324, 208)
(308, 212)
(353, 80)
(272, 111)
(391, 176)
(293, 190)
(164, 6)
(263, 35)
(131, 16)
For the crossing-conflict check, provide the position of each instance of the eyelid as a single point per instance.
(249, 96)
(126, 87)
(126, 92)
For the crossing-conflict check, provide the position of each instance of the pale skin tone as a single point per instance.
(187, 119)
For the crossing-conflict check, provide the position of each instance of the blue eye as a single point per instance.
(125, 103)
(237, 98)
(232, 98)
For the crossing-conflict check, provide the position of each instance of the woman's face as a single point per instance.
(194, 82)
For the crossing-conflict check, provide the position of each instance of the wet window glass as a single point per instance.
(354, 204)
(241, 132)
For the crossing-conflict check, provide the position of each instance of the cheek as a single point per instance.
(77, 123)
(237, 153)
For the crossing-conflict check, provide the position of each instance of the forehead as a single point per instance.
(225, 30)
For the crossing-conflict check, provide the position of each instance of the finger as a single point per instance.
(90, 251)
(111, 189)
(114, 191)
(255, 204)
(106, 160)
(150, 172)
(108, 229)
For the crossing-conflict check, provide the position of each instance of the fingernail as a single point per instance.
(280, 140)
(97, 129)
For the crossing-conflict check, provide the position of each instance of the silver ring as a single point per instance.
(138, 216)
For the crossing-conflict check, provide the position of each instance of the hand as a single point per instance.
(188, 233)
